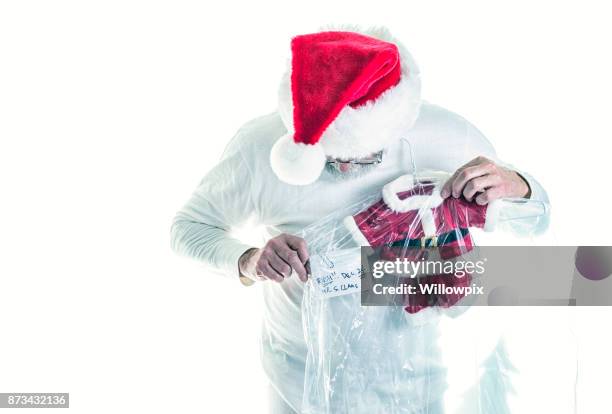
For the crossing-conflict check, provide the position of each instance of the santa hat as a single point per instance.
(346, 95)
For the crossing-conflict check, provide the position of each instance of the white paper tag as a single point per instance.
(337, 273)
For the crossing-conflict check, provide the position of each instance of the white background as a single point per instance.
(112, 111)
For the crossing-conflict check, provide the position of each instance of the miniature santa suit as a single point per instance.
(411, 214)
(273, 174)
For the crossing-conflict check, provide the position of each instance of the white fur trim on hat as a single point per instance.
(359, 132)
(296, 163)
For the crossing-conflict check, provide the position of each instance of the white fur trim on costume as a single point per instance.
(406, 183)
(412, 203)
(296, 163)
(359, 132)
(492, 217)
(351, 226)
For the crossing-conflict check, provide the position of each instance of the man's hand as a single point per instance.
(483, 181)
(281, 256)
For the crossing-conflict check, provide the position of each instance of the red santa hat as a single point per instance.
(346, 95)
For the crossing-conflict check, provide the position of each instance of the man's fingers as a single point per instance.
(447, 188)
(299, 245)
(466, 175)
(292, 258)
(265, 271)
(285, 254)
(489, 195)
(479, 184)
(279, 265)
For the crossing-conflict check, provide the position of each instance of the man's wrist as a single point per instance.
(242, 263)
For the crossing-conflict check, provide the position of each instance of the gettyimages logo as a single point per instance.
(414, 268)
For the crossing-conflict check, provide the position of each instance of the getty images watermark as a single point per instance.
(412, 274)
(486, 276)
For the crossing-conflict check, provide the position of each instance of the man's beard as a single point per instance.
(354, 171)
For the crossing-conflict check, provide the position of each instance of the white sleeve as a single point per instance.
(223, 200)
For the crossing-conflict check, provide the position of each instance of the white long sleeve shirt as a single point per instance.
(243, 187)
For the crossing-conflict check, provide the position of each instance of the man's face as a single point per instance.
(354, 167)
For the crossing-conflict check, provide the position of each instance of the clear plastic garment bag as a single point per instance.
(395, 359)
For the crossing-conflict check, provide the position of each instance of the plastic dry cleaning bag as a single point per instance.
(387, 357)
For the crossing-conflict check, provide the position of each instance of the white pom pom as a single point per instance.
(297, 164)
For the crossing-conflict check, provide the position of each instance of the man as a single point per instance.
(350, 120)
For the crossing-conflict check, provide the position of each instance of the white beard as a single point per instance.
(355, 170)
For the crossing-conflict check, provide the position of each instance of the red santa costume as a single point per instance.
(410, 215)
